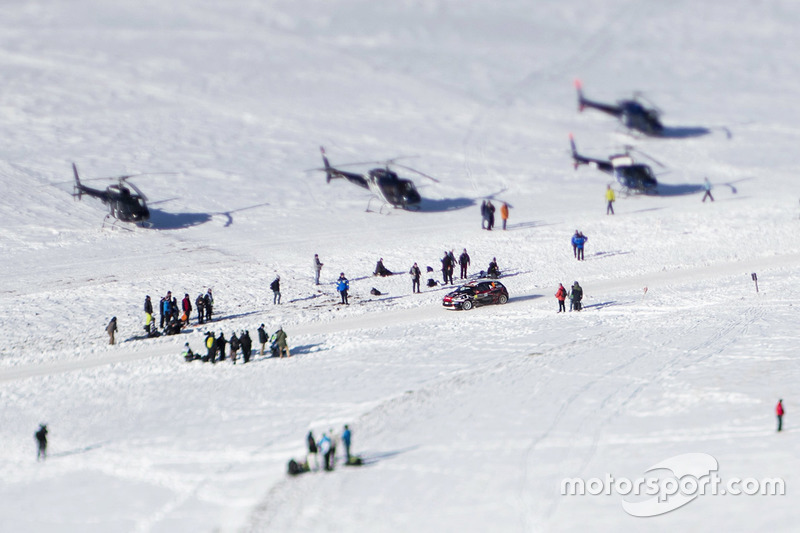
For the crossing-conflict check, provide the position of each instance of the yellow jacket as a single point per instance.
(610, 195)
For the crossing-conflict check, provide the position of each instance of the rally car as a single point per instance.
(474, 293)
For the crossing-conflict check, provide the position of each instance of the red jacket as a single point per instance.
(561, 294)
(779, 409)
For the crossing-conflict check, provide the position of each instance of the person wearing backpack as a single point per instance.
(561, 295)
(262, 338)
(276, 290)
(576, 295)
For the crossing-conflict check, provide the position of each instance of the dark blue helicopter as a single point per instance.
(383, 183)
(123, 204)
(631, 113)
(635, 177)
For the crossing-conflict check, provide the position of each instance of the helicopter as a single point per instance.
(383, 183)
(123, 205)
(632, 113)
(635, 177)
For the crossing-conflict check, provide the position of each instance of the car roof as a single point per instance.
(475, 282)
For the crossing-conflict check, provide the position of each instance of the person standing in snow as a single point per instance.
(110, 329)
(275, 286)
(208, 303)
(504, 214)
(186, 304)
(707, 187)
(610, 198)
(484, 215)
(312, 451)
(342, 285)
(490, 209)
(262, 338)
(334, 443)
(346, 436)
(41, 442)
(148, 314)
(780, 411)
(221, 342)
(463, 261)
(578, 242)
(247, 345)
(576, 295)
(561, 295)
(234, 344)
(416, 273)
(324, 447)
(211, 342)
(200, 303)
(174, 313)
(447, 268)
(317, 268)
(161, 313)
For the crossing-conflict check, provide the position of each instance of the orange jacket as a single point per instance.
(504, 212)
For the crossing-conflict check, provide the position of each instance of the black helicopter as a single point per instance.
(632, 113)
(384, 183)
(123, 205)
(635, 177)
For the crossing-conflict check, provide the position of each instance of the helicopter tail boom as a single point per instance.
(328, 169)
(584, 102)
(78, 191)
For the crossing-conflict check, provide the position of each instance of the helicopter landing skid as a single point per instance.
(380, 211)
(113, 225)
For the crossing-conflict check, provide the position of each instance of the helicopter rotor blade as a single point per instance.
(651, 158)
(639, 95)
(416, 171)
(134, 187)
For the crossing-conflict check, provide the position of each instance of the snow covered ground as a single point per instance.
(470, 420)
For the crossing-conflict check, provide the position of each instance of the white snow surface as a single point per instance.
(470, 420)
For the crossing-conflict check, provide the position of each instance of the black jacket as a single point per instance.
(275, 285)
(262, 335)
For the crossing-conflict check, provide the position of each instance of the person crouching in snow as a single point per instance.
(187, 353)
(280, 339)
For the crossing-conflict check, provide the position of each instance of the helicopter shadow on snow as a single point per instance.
(686, 132)
(170, 221)
(428, 205)
(664, 189)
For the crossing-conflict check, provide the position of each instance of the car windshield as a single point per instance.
(465, 290)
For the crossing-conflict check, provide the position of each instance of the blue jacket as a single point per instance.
(342, 285)
(346, 437)
(579, 240)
